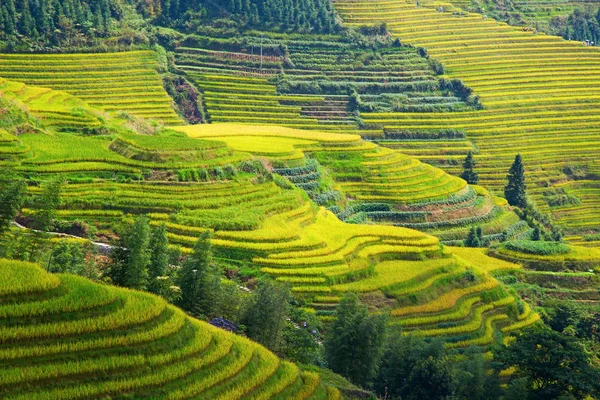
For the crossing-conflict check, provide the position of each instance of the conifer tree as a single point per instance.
(159, 258)
(138, 246)
(514, 191)
(469, 173)
(193, 277)
(474, 237)
(537, 234)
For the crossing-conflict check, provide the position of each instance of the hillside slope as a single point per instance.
(65, 337)
(382, 185)
(258, 218)
(537, 90)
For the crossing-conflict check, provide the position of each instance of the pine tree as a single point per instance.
(9, 23)
(26, 23)
(537, 234)
(138, 246)
(469, 173)
(159, 258)
(514, 191)
(473, 238)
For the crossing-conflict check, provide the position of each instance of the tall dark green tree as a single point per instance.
(159, 259)
(515, 189)
(266, 314)
(12, 195)
(537, 233)
(194, 275)
(130, 257)
(138, 246)
(355, 342)
(47, 204)
(469, 173)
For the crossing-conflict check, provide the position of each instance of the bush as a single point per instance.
(429, 134)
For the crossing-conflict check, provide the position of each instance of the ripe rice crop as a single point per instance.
(175, 356)
(111, 77)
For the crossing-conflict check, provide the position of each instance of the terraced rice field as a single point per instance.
(538, 90)
(56, 152)
(389, 187)
(318, 255)
(279, 230)
(571, 276)
(55, 109)
(587, 213)
(239, 85)
(66, 337)
(534, 11)
(127, 82)
(237, 89)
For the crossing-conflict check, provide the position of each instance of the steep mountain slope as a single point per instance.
(537, 90)
(262, 219)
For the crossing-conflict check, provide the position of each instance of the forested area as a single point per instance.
(582, 24)
(42, 25)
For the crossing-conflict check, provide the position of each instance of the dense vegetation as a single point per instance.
(583, 24)
(78, 24)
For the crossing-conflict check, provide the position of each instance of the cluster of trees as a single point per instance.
(302, 15)
(552, 362)
(13, 195)
(462, 91)
(515, 189)
(515, 193)
(475, 237)
(582, 24)
(43, 25)
(359, 347)
(297, 15)
(557, 360)
(52, 23)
